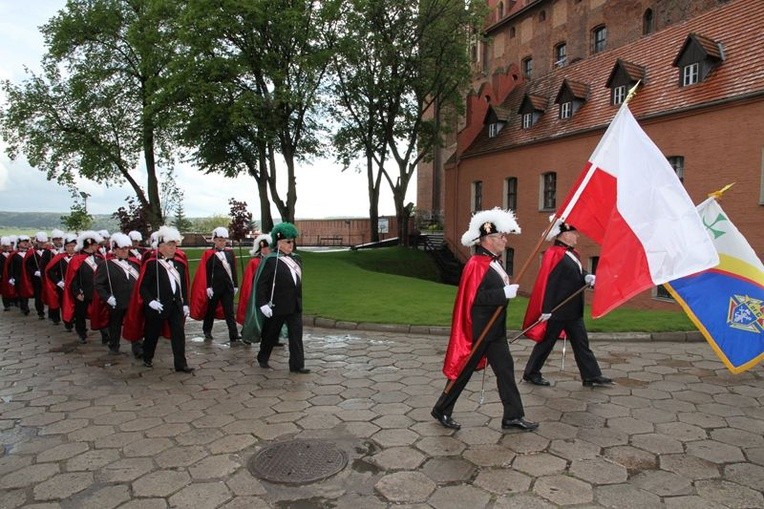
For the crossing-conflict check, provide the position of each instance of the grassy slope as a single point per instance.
(395, 285)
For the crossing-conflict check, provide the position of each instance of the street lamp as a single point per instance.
(85, 197)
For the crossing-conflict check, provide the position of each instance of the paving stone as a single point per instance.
(395, 437)
(160, 483)
(598, 471)
(213, 467)
(445, 470)
(738, 437)
(562, 490)
(243, 484)
(656, 443)
(702, 420)
(232, 444)
(574, 449)
(522, 501)
(28, 476)
(399, 458)
(633, 459)
(146, 503)
(180, 456)
(201, 496)
(662, 483)
(502, 481)
(525, 443)
(62, 486)
(92, 460)
(691, 502)
(490, 456)
(458, 497)
(62, 452)
(402, 487)
(729, 494)
(689, 466)
(746, 474)
(104, 498)
(538, 465)
(625, 496)
(715, 452)
(681, 431)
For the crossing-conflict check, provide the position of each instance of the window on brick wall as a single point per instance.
(510, 193)
(527, 67)
(677, 163)
(648, 23)
(561, 55)
(599, 39)
(477, 195)
(509, 260)
(662, 293)
(548, 190)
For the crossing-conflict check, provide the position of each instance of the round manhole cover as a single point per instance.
(297, 461)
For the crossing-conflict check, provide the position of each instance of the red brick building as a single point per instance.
(552, 77)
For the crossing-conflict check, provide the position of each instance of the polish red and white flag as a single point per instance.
(629, 200)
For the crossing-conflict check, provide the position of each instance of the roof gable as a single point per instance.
(571, 90)
(625, 72)
(697, 47)
(531, 103)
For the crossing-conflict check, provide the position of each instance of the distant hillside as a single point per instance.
(25, 221)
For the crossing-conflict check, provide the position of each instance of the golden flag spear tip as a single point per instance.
(632, 91)
(717, 195)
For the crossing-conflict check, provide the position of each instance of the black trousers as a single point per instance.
(579, 342)
(116, 318)
(226, 299)
(39, 306)
(153, 328)
(80, 315)
(7, 303)
(270, 336)
(503, 366)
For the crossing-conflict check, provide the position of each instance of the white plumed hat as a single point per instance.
(486, 222)
(261, 241)
(168, 234)
(89, 237)
(120, 240)
(135, 235)
(220, 232)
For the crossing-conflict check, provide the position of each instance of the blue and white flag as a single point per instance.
(726, 302)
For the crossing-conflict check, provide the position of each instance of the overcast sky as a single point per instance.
(322, 189)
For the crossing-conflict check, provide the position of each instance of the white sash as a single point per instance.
(173, 272)
(130, 271)
(136, 253)
(90, 260)
(294, 267)
(495, 265)
(578, 262)
(224, 261)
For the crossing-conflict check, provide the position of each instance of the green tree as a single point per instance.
(205, 225)
(262, 64)
(181, 222)
(98, 110)
(78, 219)
(412, 58)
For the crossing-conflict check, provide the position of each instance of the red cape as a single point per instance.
(132, 329)
(549, 261)
(23, 288)
(460, 342)
(246, 289)
(98, 311)
(49, 289)
(198, 295)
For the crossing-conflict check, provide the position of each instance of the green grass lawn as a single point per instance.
(397, 285)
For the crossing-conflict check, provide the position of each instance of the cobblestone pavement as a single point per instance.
(82, 429)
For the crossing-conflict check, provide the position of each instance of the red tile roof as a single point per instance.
(737, 25)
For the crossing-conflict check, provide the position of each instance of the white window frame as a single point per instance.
(566, 109)
(691, 74)
(527, 120)
(619, 94)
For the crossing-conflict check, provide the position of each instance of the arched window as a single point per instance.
(599, 39)
(648, 22)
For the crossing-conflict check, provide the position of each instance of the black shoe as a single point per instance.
(68, 328)
(83, 340)
(113, 351)
(137, 349)
(148, 364)
(41, 317)
(279, 344)
(56, 322)
(301, 370)
(598, 381)
(537, 380)
(519, 423)
(185, 369)
(208, 336)
(445, 420)
(26, 312)
(246, 341)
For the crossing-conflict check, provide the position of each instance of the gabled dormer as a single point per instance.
(697, 58)
(531, 109)
(571, 97)
(496, 118)
(623, 76)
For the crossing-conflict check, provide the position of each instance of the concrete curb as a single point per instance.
(432, 330)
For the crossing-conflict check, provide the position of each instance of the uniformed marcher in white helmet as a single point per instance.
(55, 279)
(35, 262)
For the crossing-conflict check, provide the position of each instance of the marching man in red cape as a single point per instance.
(484, 293)
(55, 279)
(6, 248)
(214, 287)
(561, 276)
(18, 283)
(80, 298)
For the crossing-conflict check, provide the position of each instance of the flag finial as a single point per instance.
(717, 195)
(632, 91)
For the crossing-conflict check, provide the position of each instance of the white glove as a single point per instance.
(12, 282)
(209, 293)
(589, 279)
(37, 273)
(111, 301)
(60, 284)
(545, 316)
(266, 310)
(510, 291)
(235, 290)
(156, 306)
(186, 311)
